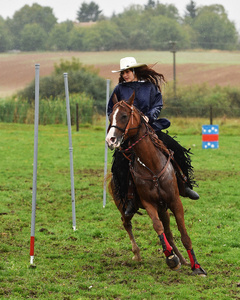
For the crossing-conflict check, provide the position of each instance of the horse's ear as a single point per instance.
(114, 99)
(131, 99)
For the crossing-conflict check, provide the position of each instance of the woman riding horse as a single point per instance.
(151, 166)
(146, 83)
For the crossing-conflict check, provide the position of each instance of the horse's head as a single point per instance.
(124, 122)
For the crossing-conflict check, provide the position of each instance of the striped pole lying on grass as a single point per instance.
(34, 188)
(106, 147)
(70, 150)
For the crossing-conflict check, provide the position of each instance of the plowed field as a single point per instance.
(17, 69)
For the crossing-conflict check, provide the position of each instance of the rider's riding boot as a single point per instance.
(185, 190)
(131, 209)
(190, 193)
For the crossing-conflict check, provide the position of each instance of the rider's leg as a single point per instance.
(183, 160)
(131, 200)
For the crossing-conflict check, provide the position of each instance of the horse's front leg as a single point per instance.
(165, 218)
(128, 226)
(177, 209)
(172, 259)
(126, 223)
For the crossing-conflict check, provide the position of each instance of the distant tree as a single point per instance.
(35, 14)
(162, 30)
(5, 36)
(59, 36)
(76, 39)
(150, 4)
(168, 10)
(131, 20)
(214, 30)
(104, 36)
(140, 39)
(191, 10)
(32, 38)
(146, 28)
(88, 12)
(215, 8)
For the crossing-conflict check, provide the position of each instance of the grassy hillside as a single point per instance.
(112, 57)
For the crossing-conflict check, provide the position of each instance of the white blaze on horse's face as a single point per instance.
(113, 140)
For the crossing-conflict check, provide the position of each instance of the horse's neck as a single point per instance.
(146, 151)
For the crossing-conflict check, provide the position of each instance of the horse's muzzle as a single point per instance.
(113, 141)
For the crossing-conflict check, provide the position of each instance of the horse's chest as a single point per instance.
(150, 181)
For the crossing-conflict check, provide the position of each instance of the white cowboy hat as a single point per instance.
(128, 63)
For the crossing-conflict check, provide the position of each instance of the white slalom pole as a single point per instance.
(106, 147)
(34, 188)
(70, 150)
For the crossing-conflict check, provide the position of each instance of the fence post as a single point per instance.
(77, 119)
(211, 115)
(173, 50)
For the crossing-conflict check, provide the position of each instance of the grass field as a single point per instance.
(94, 262)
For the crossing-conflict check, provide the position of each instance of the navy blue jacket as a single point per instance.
(148, 99)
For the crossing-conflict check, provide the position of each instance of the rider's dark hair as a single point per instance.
(147, 74)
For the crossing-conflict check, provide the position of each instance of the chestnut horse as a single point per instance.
(155, 182)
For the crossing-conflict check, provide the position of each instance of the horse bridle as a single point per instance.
(127, 128)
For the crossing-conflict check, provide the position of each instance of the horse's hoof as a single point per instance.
(199, 272)
(173, 262)
(136, 258)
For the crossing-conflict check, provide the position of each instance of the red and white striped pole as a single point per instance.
(34, 188)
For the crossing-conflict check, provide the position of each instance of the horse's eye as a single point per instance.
(124, 117)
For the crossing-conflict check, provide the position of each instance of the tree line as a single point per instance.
(139, 27)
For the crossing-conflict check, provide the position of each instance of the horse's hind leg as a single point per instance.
(164, 217)
(135, 249)
(178, 212)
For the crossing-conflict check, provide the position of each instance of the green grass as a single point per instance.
(162, 57)
(94, 262)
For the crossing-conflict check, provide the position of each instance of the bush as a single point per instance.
(81, 79)
(191, 101)
(51, 111)
(196, 100)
